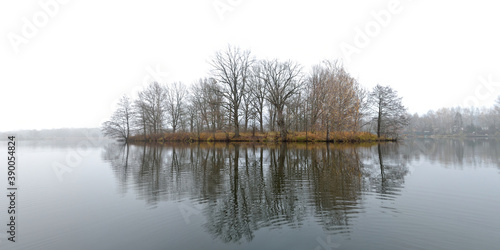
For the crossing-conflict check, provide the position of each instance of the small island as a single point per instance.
(245, 99)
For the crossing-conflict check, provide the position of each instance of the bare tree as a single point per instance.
(257, 94)
(175, 96)
(363, 110)
(151, 102)
(119, 125)
(192, 114)
(390, 114)
(207, 99)
(282, 80)
(199, 100)
(317, 93)
(271, 120)
(215, 102)
(141, 121)
(293, 112)
(231, 69)
(342, 106)
(247, 109)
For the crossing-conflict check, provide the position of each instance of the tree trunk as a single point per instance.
(246, 122)
(306, 128)
(327, 130)
(273, 120)
(128, 130)
(379, 120)
(191, 124)
(281, 124)
(236, 125)
(261, 122)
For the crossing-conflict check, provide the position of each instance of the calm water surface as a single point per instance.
(420, 194)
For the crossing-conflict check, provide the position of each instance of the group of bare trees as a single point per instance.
(147, 115)
(243, 94)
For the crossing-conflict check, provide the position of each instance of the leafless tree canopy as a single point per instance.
(282, 80)
(208, 103)
(151, 103)
(336, 101)
(119, 125)
(257, 94)
(231, 70)
(175, 98)
(390, 114)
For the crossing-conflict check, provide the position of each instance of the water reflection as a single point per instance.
(385, 169)
(457, 153)
(247, 187)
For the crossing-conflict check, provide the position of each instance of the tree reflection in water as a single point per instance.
(385, 169)
(245, 187)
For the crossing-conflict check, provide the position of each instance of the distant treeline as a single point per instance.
(457, 121)
(61, 133)
(243, 94)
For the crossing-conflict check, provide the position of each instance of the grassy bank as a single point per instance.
(269, 137)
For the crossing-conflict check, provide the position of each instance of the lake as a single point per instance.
(415, 194)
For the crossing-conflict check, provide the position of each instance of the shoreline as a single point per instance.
(270, 137)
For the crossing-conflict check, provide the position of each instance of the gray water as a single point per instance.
(421, 194)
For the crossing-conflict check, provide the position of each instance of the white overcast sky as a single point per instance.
(83, 55)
